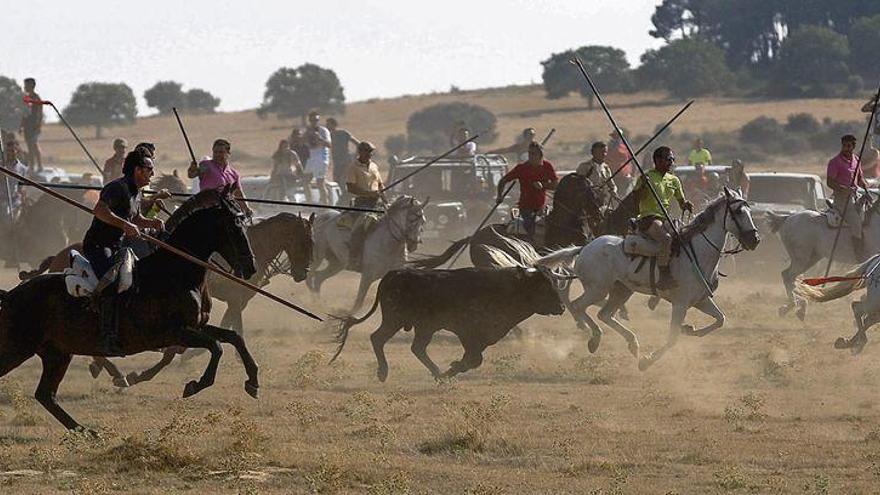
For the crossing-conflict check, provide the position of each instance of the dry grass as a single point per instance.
(763, 406)
(255, 139)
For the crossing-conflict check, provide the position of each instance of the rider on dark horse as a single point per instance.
(117, 215)
(651, 218)
(364, 183)
(536, 176)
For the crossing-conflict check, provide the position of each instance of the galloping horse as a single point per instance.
(808, 238)
(39, 316)
(397, 233)
(605, 270)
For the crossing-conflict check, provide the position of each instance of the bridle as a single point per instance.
(728, 212)
(399, 230)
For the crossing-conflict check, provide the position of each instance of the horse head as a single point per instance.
(212, 221)
(742, 226)
(299, 245)
(407, 217)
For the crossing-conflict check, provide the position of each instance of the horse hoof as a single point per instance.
(132, 378)
(783, 310)
(190, 389)
(252, 390)
(382, 375)
(593, 343)
(644, 363)
(120, 382)
(634, 348)
(841, 343)
(801, 313)
(95, 369)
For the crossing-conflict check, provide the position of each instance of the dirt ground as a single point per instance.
(765, 405)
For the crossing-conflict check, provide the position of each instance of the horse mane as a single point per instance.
(198, 202)
(703, 219)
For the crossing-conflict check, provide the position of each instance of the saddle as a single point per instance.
(81, 280)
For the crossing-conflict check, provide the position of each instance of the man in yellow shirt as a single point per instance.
(364, 183)
(699, 155)
(651, 217)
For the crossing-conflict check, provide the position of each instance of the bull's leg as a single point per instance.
(378, 338)
(472, 359)
(148, 374)
(193, 338)
(618, 297)
(708, 307)
(419, 347)
(252, 384)
(55, 365)
(675, 327)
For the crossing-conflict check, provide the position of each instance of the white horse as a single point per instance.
(866, 310)
(807, 239)
(605, 270)
(385, 248)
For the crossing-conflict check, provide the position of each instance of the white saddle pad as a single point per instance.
(80, 278)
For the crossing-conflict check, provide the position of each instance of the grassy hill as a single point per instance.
(516, 107)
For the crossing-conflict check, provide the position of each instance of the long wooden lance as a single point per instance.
(72, 132)
(167, 247)
(433, 161)
(495, 206)
(249, 200)
(580, 65)
(855, 175)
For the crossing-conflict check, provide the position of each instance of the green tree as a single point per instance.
(293, 92)
(431, 128)
(864, 45)
(811, 61)
(606, 65)
(200, 100)
(11, 104)
(101, 104)
(164, 95)
(685, 67)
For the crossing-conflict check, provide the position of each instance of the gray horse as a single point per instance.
(807, 239)
(397, 233)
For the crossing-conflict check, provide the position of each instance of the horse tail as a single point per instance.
(561, 256)
(432, 262)
(345, 324)
(849, 282)
(44, 265)
(776, 220)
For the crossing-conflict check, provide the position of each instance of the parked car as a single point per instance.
(462, 191)
(257, 186)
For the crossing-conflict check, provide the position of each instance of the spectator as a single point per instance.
(737, 178)
(318, 163)
(469, 149)
(699, 155)
(286, 167)
(340, 153)
(32, 124)
(869, 108)
(218, 173)
(520, 149)
(113, 165)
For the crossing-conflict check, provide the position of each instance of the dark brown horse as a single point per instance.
(39, 317)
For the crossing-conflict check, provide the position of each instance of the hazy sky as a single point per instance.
(377, 48)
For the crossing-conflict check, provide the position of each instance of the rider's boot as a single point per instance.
(666, 281)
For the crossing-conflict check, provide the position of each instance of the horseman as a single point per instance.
(218, 173)
(651, 220)
(117, 215)
(364, 183)
(844, 177)
(536, 176)
(599, 174)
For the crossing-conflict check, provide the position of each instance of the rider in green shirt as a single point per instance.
(651, 218)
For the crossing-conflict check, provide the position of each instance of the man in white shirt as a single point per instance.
(318, 139)
(599, 174)
(10, 193)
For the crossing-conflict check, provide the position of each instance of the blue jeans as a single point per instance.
(528, 219)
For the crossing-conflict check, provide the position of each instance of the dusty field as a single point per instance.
(255, 139)
(763, 406)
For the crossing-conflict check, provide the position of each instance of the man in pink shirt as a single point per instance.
(218, 173)
(844, 177)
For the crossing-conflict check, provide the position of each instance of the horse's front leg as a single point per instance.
(857, 342)
(252, 384)
(675, 328)
(194, 338)
(367, 280)
(167, 357)
(708, 307)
